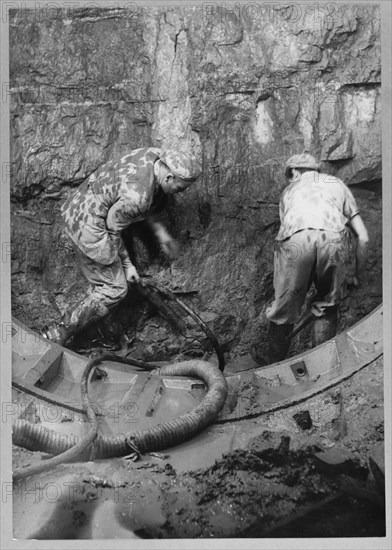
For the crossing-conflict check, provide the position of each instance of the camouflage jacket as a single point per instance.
(118, 194)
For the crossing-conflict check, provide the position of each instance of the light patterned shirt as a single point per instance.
(118, 194)
(315, 201)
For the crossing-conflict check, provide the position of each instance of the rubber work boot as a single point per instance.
(324, 328)
(258, 355)
(74, 320)
(279, 340)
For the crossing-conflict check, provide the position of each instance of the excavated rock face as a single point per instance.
(245, 88)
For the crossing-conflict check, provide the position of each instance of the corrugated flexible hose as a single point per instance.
(67, 448)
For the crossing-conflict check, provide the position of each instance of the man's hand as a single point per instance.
(362, 245)
(352, 281)
(131, 275)
(169, 247)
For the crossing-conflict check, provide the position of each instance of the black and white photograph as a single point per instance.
(196, 274)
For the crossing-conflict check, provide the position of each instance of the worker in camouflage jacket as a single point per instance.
(120, 193)
(311, 250)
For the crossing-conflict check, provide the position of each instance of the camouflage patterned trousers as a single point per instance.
(109, 283)
(309, 256)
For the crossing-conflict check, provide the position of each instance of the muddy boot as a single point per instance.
(74, 320)
(324, 328)
(259, 355)
(279, 340)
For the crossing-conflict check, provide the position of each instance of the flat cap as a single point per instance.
(305, 160)
(182, 165)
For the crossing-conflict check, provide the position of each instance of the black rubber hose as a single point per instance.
(37, 438)
(51, 440)
(186, 309)
(30, 435)
(78, 447)
(126, 360)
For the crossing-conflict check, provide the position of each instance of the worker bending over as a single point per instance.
(120, 193)
(312, 246)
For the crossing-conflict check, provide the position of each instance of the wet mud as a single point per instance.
(282, 482)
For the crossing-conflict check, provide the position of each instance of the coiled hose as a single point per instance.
(48, 438)
(66, 448)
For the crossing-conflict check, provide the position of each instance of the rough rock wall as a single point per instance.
(244, 87)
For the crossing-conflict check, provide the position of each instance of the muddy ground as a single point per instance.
(144, 329)
(276, 485)
(312, 483)
(255, 490)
